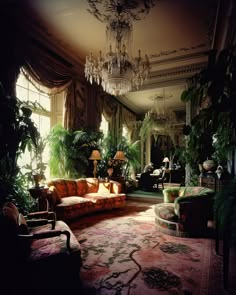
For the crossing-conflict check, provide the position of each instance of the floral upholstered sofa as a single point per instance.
(185, 211)
(71, 198)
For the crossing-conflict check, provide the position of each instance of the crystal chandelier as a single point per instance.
(159, 113)
(117, 71)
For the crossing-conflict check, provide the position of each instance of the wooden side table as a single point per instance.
(209, 180)
(40, 194)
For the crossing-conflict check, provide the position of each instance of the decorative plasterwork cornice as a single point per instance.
(172, 76)
(177, 51)
(183, 70)
(135, 9)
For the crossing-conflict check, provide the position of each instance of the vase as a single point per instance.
(209, 165)
(110, 171)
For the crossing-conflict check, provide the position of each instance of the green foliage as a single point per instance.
(36, 164)
(70, 150)
(16, 131)
(211, 134)
(108, 151)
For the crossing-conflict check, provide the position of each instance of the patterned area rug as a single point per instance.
(123, 253)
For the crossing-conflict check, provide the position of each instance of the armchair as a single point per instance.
(37, 248)
(185, 211)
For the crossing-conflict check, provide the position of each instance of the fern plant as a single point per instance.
(70, 150)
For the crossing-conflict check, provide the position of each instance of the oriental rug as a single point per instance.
(123, 253)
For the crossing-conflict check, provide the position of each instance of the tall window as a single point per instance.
(41, 107)
(125, 132)
(104, 126)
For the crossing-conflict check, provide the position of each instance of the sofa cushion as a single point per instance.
(74, 200)
(60, 185)
(82, 187)
(104, 188)
(71, 188)
(92, 185)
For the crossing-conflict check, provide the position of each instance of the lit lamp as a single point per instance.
(166, 160)
(120, 157)
(95, 156)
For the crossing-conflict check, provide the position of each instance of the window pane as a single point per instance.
(33, 96)
(22, 81)
(104, 126)
(45, 102)
(22, 93)
(32, 88)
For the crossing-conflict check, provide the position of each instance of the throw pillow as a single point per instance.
(104, 188)
(92, 185)
(82, 187)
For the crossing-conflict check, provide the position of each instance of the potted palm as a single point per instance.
(70, 151)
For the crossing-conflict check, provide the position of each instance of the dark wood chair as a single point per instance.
(42, 250)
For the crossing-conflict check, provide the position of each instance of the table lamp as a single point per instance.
(95, 156)
(120, 156)
(166, 160)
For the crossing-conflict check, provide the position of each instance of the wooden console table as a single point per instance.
(210, 181)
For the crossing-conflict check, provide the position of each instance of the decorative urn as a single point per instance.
(209, 165)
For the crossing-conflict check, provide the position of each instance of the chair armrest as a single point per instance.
(48, 234)
(50, 215)
(42, 221)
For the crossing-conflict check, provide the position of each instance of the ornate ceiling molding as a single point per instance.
(136, 10)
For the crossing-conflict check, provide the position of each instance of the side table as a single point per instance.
(40, 193)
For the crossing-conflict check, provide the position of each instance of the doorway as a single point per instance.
(161, 146)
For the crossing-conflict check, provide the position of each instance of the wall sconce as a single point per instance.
(166, 160)
(95, 156)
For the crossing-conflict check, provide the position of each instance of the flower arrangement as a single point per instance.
(114, 167)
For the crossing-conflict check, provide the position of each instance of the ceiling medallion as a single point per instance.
(117, 71)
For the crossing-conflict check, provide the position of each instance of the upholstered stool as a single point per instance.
(167, 221)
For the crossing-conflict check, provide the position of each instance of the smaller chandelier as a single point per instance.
(159, 113)
(117, 71)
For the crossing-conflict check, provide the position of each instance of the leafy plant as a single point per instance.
(70, 150)
(36, 164)
(16, 131)
(108, 151)
(211, 134)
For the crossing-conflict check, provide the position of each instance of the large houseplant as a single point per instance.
(70, 151)
(16, 130)
(212, 93)
(108, 151)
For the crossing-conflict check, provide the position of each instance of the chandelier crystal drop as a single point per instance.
(117, 71)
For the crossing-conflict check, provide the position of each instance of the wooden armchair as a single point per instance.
(37, 248)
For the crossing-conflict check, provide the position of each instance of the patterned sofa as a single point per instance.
(73, 198)
(185, 211)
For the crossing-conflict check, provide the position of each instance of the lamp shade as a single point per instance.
(95, 155)
(120, 156)
(166, 160)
